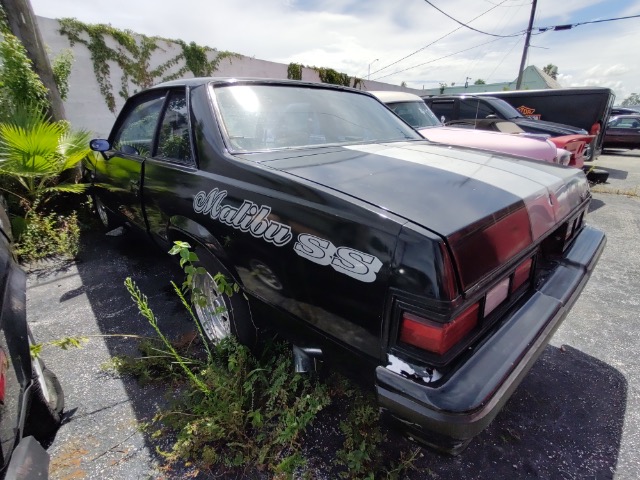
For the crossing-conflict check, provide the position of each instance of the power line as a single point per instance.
(470, 27)
(435, 60)
(437, 40)
(571, 25)
(502, 25)
(503, 59)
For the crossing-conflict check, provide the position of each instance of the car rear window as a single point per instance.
(268, 117)
(416, 114)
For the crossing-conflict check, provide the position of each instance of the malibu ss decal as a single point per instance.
(248, 217)
(252, 218)
(354, 263)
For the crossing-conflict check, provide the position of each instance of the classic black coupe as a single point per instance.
(441, 272)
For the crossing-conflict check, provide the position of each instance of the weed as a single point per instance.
(48, 235)
(245, 414)
(360, 452)
(153, 364)
(241, 410)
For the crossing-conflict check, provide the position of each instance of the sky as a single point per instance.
(396, 40)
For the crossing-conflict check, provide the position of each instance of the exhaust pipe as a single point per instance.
(304, 359)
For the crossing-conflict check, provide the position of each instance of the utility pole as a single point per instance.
(22, 22)
(526, 44)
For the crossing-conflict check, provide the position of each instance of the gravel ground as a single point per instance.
(576, 415)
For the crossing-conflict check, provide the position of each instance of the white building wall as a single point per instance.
(86, 107)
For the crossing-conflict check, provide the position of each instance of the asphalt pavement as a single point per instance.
(576, 415)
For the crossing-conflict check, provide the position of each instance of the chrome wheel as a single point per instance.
(214, 315)
(102, 212)
(265, 274)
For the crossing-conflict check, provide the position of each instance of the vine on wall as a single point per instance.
(61, 67)
(294, 71)
(132, 53)
(329, 75)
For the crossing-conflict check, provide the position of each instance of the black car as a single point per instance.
(440, 273)
(623, 131)
(31, 399)
(471, 107)
(631, 110)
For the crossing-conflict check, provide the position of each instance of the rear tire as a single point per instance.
(47, 403)
(597, 175)
(223, 316)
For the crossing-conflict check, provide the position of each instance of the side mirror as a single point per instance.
(99, 145)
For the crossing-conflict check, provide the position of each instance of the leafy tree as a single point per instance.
(551, 70)
(479, 82)
(633, 99)
(19, 84)
(17, 18)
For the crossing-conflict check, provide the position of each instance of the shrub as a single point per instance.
(48, 235)
(38, 158)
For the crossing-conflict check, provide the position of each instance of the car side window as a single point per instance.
(174, 143)
(474, 109)
(135, 135)
(443, 110)
(626, 123)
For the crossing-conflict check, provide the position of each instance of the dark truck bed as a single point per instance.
(580, 107)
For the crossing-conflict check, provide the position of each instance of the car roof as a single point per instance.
(626, 115)
(456, 95)
(193, 82)
(387, 96)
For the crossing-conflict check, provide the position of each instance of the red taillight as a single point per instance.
(521, 275)
(435, 337)
(449, 288)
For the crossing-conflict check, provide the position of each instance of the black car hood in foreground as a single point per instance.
(486, 206)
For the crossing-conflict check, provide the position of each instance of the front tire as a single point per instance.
(222, 316)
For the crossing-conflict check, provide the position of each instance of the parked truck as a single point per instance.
(583, 107)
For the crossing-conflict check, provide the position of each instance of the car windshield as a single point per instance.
(504, 108)
(415, 113)
(268, 117)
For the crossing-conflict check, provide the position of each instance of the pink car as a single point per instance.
(413, 110)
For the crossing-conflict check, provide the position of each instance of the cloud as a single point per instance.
(348, 35)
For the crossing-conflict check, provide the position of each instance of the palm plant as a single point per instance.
(39, 158)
